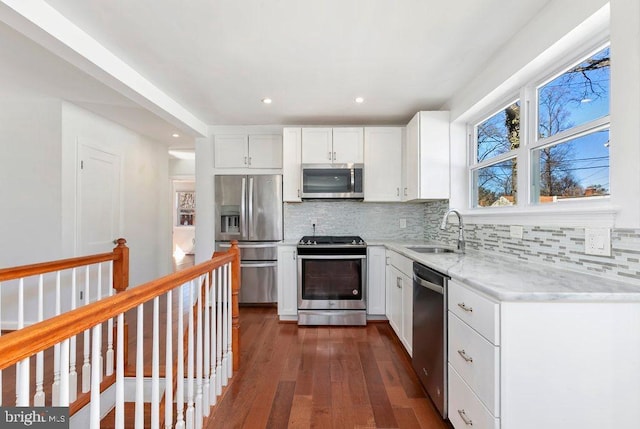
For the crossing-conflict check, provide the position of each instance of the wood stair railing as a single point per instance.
(19, 346)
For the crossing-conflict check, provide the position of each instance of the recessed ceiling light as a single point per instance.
(175, 135)
(267, 100)
(359, 100)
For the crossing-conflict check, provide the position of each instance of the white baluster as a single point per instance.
(229, 323)
(139, 419)
(73, 375)
(119, 423)
(190, 351)
(180, 362)
(198, 400)
(55, 389)
(155, 366)
(168, 371)
(213, 396)
(86, 366)
(109, 355)
(206, 400)
(38, 398)
(225, 326)
(22, 387)
(20, 371)
(100, 360)
(219, 336)
(95, 377)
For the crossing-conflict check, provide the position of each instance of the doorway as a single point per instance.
(184, 223)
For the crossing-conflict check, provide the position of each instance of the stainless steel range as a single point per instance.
(332, 280)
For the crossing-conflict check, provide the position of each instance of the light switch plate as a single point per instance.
(403, 223)
(516, 231)
(597, 241)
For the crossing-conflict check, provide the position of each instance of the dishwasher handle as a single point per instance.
(434, 287)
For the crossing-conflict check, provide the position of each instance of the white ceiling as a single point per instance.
(218, 59)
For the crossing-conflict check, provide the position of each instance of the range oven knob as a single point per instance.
(308, 241)
(315, 242)
(353, 242)
(355, 291)
(361, 242)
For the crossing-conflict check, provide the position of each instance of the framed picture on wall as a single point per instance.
(186, 203)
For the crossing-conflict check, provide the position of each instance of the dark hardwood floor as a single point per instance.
(327, 377)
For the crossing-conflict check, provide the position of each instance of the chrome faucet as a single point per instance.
(443, 226)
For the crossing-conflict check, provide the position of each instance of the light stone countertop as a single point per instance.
(509, 279)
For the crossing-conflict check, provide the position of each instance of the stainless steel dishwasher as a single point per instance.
(430, 333)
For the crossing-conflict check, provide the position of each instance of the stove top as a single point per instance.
(331, 240)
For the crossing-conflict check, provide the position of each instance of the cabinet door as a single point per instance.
(382, 164)
(287, 283)
(348, 145)
(411, 160)
(376, 280)
(407, 313)
(265, 151)
(291, 159)
(317, 145)
(231, 151)
(394, 299)
(434, 155)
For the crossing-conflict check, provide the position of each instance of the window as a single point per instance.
(564, 155)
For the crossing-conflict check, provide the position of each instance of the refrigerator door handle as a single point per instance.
(250, 246)
(252, 230)
(243, 214)
(258, 264)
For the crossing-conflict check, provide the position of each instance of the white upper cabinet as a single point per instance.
(248, 151)
(291, 159)
(348, 145)
(382, 164)
(332, 145)
(426, 157)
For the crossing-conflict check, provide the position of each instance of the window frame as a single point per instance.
(529, 142)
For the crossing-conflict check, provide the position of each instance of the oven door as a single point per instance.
(331, 282)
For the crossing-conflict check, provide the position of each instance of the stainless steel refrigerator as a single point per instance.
(248, 208)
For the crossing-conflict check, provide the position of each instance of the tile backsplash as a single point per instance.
(368, 220)
(561, 247)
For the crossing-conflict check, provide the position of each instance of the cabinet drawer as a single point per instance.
(479, 312)
(402, 263)
(466, 411)
(476, 360)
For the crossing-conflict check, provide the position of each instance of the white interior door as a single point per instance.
(98, 200)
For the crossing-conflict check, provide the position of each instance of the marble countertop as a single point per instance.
(509, 279)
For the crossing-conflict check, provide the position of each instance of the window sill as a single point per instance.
(588, 214)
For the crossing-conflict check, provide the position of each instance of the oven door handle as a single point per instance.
(258, 264)
(329, 257)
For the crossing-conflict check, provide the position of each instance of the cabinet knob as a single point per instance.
(465, 356)
(405, 192)
(329, 156)
(334, 156)
(467, 421)
(463, 306)
(249, 160)
(245, 160)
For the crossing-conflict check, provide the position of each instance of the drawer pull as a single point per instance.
(465, 356)
(467, 421)
(463, 306)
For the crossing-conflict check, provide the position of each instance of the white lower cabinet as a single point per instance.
(376, 281)
(552, 365)
(465, 409)
(287, 283)
(399, 305)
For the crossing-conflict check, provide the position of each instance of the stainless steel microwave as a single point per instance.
(332, 181)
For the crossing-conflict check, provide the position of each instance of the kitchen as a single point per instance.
(552, 236)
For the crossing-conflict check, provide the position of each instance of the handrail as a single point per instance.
(26, 342)
(119, 254)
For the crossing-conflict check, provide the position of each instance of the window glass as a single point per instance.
(578, 96)
(577, 168)
(496, 184)
(499, 134)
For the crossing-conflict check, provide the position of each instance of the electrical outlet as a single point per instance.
(403, 223)
(516, 231)
(597, 241)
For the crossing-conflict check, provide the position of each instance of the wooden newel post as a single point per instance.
(235, 309)
(121, 266)
(120, 284)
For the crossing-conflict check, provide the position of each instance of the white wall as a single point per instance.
(30, 182)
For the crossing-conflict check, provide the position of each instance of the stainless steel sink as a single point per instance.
(430, 249)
